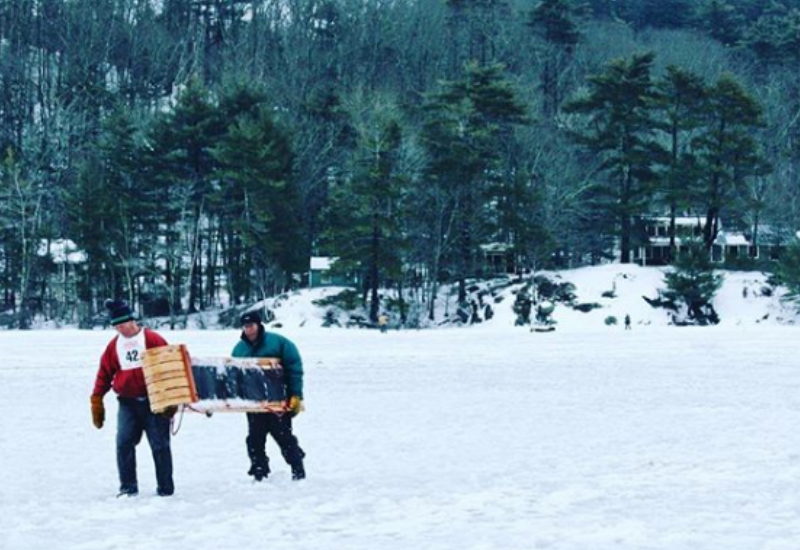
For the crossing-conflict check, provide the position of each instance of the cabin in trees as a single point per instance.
(730, 245)
(321, 273)
(498, 259)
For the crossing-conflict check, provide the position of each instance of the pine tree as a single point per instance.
(182, 168)
(364, 214)
(694, 284)
(558, 22)
(111, 210)
(722, 22)
(256, 201)
(774, 37)
(464, 122)
(620, 131)
(787, 273)
(681, 94)
(727, 152)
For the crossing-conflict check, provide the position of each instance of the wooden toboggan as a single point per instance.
(204, 384)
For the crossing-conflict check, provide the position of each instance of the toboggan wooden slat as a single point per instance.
(168, 374)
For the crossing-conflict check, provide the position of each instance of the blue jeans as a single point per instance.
(133, 420)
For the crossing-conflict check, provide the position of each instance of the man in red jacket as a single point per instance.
(121, 369)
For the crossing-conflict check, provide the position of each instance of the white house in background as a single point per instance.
(729, 245)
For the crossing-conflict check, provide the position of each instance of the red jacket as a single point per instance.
(126, 383)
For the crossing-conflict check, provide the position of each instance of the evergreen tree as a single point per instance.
(694, 284)
(256, 200)
(182, 170)
(620, 131)
(787, 273)
(364, 217)
(775, 37)
(558, 22)
(721, 20)
(727, 152)
(111, 211)
(681, 94)
(463, 124)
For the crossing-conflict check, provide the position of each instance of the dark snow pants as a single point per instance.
(280, 427)
(133, 420)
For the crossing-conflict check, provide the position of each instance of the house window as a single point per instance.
(657, 253)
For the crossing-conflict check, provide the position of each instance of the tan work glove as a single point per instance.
(98, 411)
(295, 405)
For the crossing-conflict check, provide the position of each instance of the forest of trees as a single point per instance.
(199, 152)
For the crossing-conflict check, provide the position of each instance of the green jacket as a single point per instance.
(275, 345)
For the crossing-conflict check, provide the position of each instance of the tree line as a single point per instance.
(198, 152)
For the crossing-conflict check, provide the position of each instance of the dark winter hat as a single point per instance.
(249, 317)
(119, 312)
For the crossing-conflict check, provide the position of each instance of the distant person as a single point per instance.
(383, 322)
(627, 322)
(121, 369)
(256, 342)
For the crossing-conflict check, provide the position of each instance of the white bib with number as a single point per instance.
(130, 350)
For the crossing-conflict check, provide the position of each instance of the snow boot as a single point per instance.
(298, 471)
(259, 470)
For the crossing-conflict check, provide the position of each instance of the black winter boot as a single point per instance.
(128, 492)
(259, 462)
(298, 471)
(259, 471)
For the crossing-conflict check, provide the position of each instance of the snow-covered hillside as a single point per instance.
(744, 298)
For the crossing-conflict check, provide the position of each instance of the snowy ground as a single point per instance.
(482, 438)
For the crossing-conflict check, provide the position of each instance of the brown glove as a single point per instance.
(98, 411)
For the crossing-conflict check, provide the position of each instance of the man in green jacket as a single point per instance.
(255, 342)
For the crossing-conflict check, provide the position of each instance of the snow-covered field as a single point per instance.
(493, 437)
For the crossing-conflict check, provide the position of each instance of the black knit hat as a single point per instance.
(119, 312)
(249, 317)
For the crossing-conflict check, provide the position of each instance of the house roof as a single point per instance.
(496, 247)
(680, 221)
(322, 263)
(731, 239)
